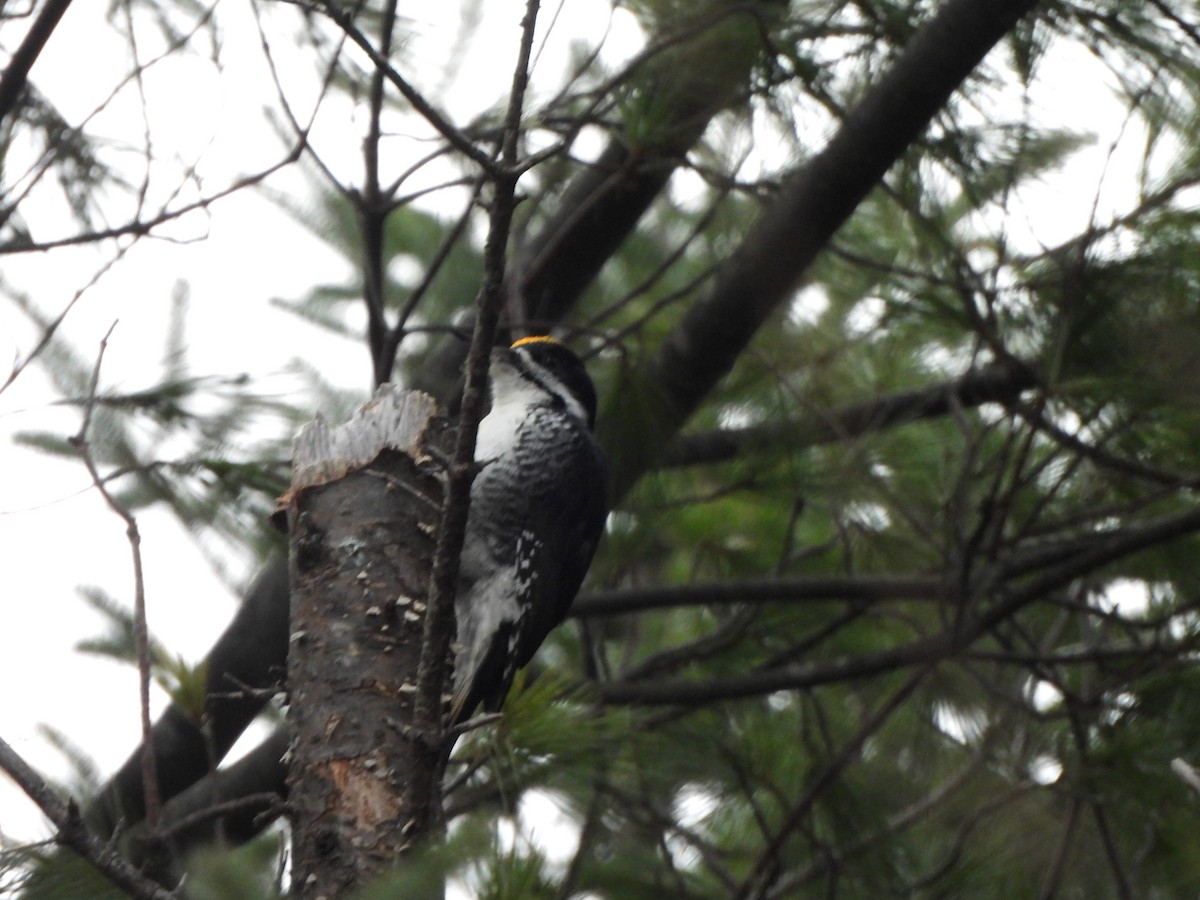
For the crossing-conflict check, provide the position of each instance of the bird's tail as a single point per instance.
(484, 678)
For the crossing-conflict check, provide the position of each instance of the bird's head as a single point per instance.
(540, 367)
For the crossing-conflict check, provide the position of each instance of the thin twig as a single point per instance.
(143, 227)
(1062, 852)
(457, 139)
(300, 132)
(51, 327)
(766, 870)
(439, 620)
(37, 170)
(372, 206)
(140, 632)
(263, 800)
(1080, 730)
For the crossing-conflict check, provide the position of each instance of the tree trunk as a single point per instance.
(362, 515)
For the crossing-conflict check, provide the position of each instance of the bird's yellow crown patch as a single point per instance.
(534, 339)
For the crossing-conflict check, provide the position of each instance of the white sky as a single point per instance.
(55, 534)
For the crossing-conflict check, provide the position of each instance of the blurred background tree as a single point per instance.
(898, 594)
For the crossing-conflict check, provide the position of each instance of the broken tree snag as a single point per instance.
(362, 517)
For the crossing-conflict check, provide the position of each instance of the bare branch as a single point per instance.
(74, 834)
(1102, 550)
(17, 71)
(250, 652)
(432, 267)
(38, 169)
(373, 211)
(51, 328)
(141, 636)
(1001, 382)
(144, 227)
(457, 139)
(812, 589)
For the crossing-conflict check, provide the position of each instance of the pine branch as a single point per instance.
(1007, 601)
(812, 204)
(813, 589)
(1002, 382)
(461, 142)
(73, 833)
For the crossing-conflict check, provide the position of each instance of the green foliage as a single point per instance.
(48, 873)
(184, 683)
(248, 872)
(657, 102)
(1008, 732)
(424, 873)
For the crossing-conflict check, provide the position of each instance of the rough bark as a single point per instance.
(361, 518)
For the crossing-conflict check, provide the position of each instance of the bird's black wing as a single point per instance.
(551, 530)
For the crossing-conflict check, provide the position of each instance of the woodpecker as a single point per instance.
(537, 509)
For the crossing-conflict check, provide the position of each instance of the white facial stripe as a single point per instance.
(553, 384)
